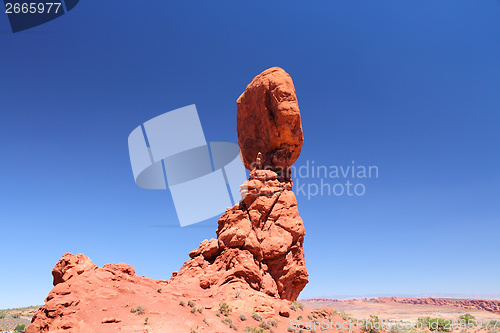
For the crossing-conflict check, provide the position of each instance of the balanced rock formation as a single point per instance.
(259, 243)
(259, 240)
(256, 264)
(268, 121)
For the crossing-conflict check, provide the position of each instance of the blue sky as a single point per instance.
(412, 87)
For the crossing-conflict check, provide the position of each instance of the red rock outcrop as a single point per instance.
(259, 243)
(256, 262)
(90, 299)
(85, 296)
(268, 121)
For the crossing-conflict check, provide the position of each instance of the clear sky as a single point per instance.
(412, 87)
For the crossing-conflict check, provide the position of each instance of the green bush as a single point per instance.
(372, 325)
(227, 321)
(251, 329)
(224, 309)
(139, 310)
(435, 324)
(468, 319)
(243, 317)
(298, 305)
(20, 327)
(2, 315)
(273, 323)
(264, 325)
(256, 316)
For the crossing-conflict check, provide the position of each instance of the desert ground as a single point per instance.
(304, 311)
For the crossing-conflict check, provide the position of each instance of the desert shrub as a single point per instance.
(435, 324)
(133, 310)
(140, 310)
(424, 321)
(372, 325)
(273, 323)
(193, 309)
(309, 317)
(243, 317)
(256, 316)
(293, 307)
(224, 309)
(205, 321)
(16, 315)
(298, 305)
(233, 326)
(264, 325)
(159, 290)
(20, 327)
(182, 303)
(200, 310)
(494, 323)
(299, 317)
(467, 319)
(290, 329)
(227, 320)
(395, 330)
(194, 330)
(191, 304)
(251, 329)
(2, 315)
